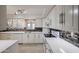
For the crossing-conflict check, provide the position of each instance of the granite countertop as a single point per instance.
(4, 44)
(13, 32)
(39, 29)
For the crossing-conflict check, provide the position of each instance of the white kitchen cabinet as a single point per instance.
(70, 14)
(70, 18)
(18, 37)
(6, 36)
(32, 37)
(3, 17)
(53, 17)
(45, 21)
(58, 11)
(25, 38)
(75, 17)
(68, 10)
(12, 36)
(37, 37)
(28, 37)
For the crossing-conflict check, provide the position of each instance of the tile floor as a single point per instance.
(31, 48)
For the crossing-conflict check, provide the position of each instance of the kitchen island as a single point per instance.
(8, 46)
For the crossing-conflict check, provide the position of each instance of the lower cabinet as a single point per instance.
(37, 37)
(33, 37)
(25, 38)
(5, 36)
(28, 37)
(18, 36)
(76, 19)
(11, 36)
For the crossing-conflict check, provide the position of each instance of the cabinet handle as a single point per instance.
(72, 15)
(61, 18)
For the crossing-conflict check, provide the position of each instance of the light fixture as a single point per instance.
(19, 11)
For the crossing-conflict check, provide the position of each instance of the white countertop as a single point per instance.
(59, 45)
(4, 44)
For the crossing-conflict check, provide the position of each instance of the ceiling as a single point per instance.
(30, 11)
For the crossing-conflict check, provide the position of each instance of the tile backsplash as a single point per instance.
(66, 34)
(71, 37)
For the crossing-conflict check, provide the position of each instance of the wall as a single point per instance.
(3, 17)
(38, 23)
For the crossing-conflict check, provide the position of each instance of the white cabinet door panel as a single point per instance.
(68, 18)
(75, 24)
(31, 38)
(25, 38)
(37, 37)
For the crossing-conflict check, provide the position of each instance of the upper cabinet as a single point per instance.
(3, 17)
(64, 17)
(54, 17)
(76, 20)
(59, 17)
(45, 23)
(71, 18)
(68, 18)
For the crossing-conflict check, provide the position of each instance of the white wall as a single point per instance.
(38, 23)
(3, 17)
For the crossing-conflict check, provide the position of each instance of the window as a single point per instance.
(20, 24)
(16, 23)
(30, 26)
